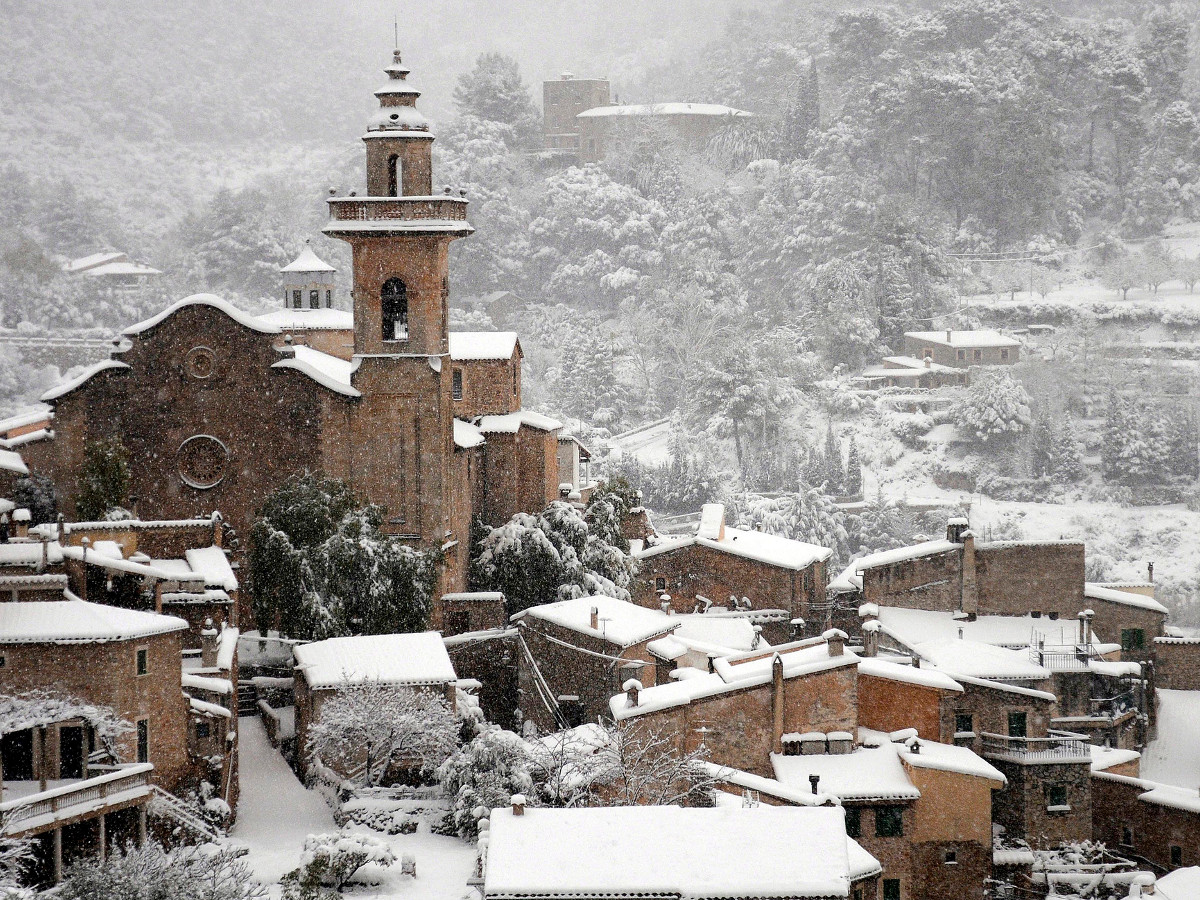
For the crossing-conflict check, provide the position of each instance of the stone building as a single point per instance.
(720, 562)
(563, 100)
(1177, 663)
(416, 662)
(689, 124)
(1157, 824)
(960, 349)
(217, 408)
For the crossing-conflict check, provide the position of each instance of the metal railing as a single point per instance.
(373, 208)
(1059, 746)
(1114, 707)
(1058, 658)
(86, 795)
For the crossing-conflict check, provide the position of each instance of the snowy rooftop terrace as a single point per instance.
(724, 852)
(617, 621)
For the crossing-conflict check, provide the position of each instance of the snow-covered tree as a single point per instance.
(994, 408)
(493, 90)
(16, 855)
(807, 515)
(854, 481)
(384, 725)
(36, 493)
(320, 565)
(330, 861)
(207, 872)
(551, 556)
(641, 764)
(483, 774)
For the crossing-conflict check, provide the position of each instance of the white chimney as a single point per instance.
(631, 688)
(836, 639)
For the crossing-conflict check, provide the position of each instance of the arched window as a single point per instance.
(395, 168)
(395, 310)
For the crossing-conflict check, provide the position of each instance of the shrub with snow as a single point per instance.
(995, 408)
(484, 774)
(207, 872)
(330, 860)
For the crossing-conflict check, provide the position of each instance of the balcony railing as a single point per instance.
(1058, 658)
(88, 795)
(1059, 746)
(398, 208)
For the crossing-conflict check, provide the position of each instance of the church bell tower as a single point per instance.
(401, 449)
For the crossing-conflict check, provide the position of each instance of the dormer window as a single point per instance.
(296, 301)
(314, 299)
(395, 310)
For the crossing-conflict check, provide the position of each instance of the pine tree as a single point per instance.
(835, 474)
(854, 483)
(103, 481)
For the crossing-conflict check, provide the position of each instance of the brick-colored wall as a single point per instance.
(1177, 664)
(490, 387)
(106, 674)
(1015, 579)
(520, 473)
(887, 705)
(931, 582)
(738, 723)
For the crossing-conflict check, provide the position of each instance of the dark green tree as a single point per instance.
(103, 481)
(495, 91)
(854, 483)
(321, 567)
(36, 493)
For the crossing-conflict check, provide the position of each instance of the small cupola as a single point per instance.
(398, 140)
(308, 282)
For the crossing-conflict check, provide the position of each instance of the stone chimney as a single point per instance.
(970, 588)
(21, 519)
(1150, 572)
(664, 603)
(1085, 628)
(955, 527)
(518, 804)
(835, 638)
(929, 362)
(777, 704)
(632, 688)
(594, 620)
(871, 638)
(208, 645)
(712, 522)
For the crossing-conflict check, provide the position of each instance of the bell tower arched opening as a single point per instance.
(394, 296)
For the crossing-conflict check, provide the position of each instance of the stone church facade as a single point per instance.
(217, 408)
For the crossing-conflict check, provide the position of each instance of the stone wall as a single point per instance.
(106, 674)
(1023, 806)
(887, 705)
(490, 387)
(1147, 831)
(1177, 663)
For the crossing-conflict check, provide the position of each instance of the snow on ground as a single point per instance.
(649, 445)
(1174, 756)
(275, 813)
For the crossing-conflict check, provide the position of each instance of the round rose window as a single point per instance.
(201, 362)
(203, 461)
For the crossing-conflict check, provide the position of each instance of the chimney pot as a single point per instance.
(518, 804)
(835, 638)
(814, 780)
(948, 336)
(595, 618)
(632, 688)
(1150, 572)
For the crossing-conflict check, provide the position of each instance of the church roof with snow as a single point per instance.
(212, 300)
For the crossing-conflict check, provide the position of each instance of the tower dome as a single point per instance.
(397, 102)
(308, 282)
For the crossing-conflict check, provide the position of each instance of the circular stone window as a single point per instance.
(200, 363)
(203, 461)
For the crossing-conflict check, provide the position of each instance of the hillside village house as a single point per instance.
(910, 372)
(602, 852)
(719, 562)
(563, 99)
(113, 270)
(426, 424)
(691, 124)
(960, 349)
(416, 662)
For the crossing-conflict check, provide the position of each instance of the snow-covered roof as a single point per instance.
(78, 622)
(1032, 693)
(94, 259)
(308, 261)
(397, 118)
(97, 556)
(212, 563)
(729, 674)
(1106, 757)
(511, 423)
(473, 597)
(309, 319)
(65, 387)
(943, 757)
(664, 109)
(1173, 757)
(467, 435)
(766, 548)
(212, 300)
(468, 345)
(720, 852)
(911, 626)
(29, 553)
(1175, 797)
(906, 367)
(1126, 598)
(868, 773)
(983, 337)
(386, 658)
(851, 580)
(978, 660)
(930, 678)
(34, 415)
(727, 633)
(1181, 884)
(120, 268)
(327, 370)
(11, 461)
(619, 621)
